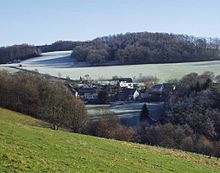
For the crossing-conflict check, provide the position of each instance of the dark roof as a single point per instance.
(87, 90)
(129, 80)
(169, 85)
(157, 86)
(163, 86)
(126, 93)
(129, 91)
(142, 90)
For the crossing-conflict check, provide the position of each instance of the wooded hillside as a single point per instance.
(130, 48)
(17, 53)
(145, 47)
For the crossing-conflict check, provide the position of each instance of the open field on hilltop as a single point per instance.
(28, 145)
(61, 64)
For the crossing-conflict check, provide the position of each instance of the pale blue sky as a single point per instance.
(45, 21)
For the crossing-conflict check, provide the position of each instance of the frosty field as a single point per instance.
(123, 110)
(61, 64)
(129, 112)
(8, 69)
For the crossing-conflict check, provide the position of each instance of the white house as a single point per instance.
(124, 84)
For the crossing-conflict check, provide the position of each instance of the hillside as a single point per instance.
(147, 48)
(17, 53)
(28, 145)
(124, 49)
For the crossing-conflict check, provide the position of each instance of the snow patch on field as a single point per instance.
(60, 63)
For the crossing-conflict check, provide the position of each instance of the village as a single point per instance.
(119, 91)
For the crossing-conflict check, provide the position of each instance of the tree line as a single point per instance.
(59, 46)
(145, 47)
(42, 98)
(18, 52)
(130, 48)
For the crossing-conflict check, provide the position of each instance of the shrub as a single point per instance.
(110, 128)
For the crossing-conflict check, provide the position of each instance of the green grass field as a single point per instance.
(29, 145)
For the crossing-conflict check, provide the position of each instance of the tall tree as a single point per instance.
(144, 113)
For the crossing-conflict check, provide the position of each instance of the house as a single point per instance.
(157, 88)
(143, 94)
(128, 80)
(107, 82)
(88, 94)
(90, 97)
(159, 92)
(165, 88)
(124, 84)
(74, 92)
(128, 94)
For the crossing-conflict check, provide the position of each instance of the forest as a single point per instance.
(191, 119)
(130, 48)
(59, 46)
(17, 53)
(145, 47)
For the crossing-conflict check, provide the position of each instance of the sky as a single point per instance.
(45, 21)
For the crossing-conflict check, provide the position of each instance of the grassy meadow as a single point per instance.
(29, 145)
